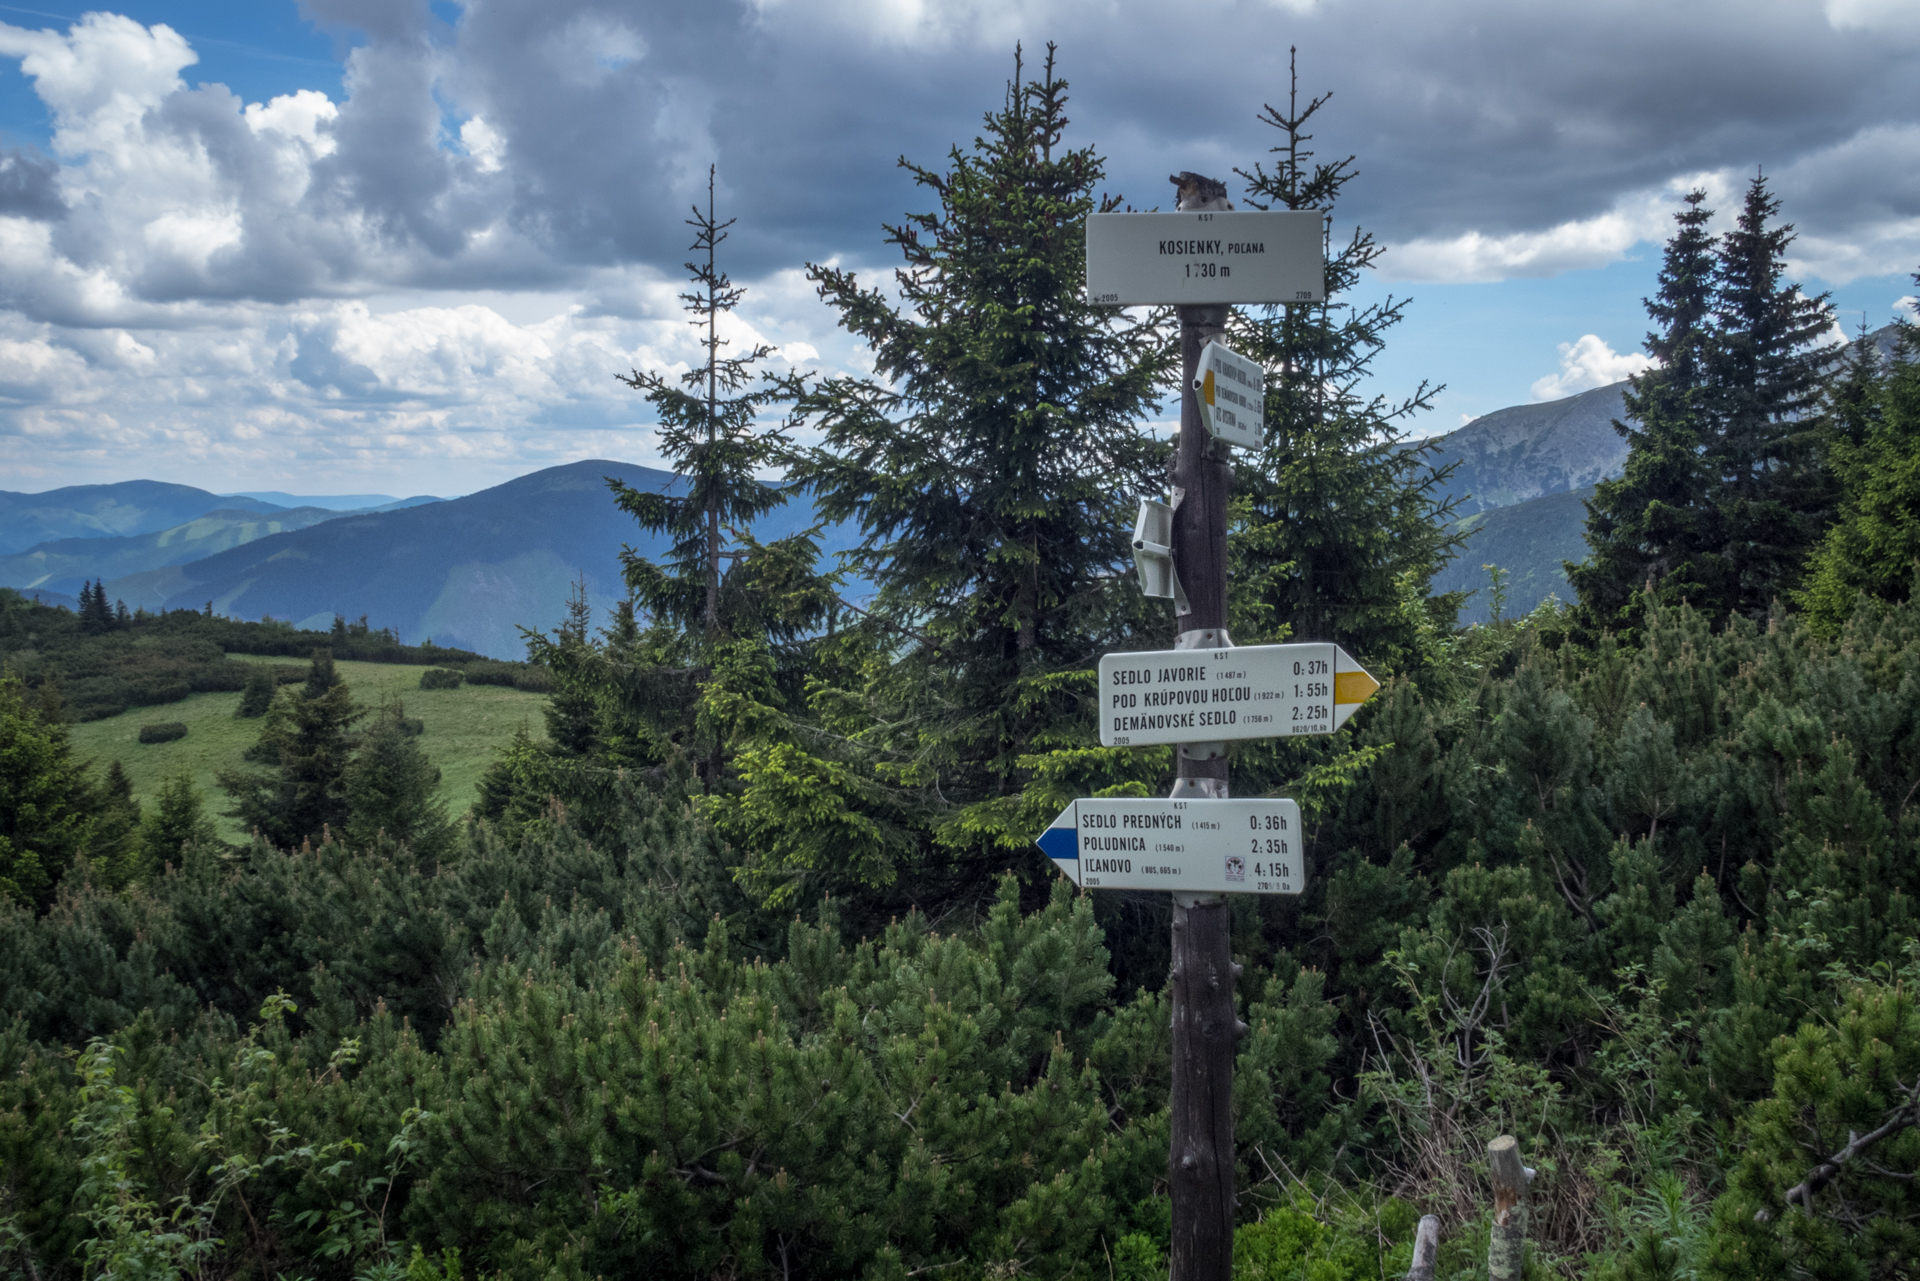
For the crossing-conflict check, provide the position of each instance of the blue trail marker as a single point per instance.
(1195, 846)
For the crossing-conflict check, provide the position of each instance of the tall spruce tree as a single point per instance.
(993, 461)
(710, 434)
(1656, 522)
(1337, 515)
(1726, 486)
(1769, 373)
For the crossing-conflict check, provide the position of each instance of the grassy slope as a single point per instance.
(464, 727)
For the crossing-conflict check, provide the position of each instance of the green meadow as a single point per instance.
(464, 727)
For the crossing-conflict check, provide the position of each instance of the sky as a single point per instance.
(404, 246)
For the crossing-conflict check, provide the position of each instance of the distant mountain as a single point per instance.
(106, 511)
(1529, 541)
(63, 565)
(339, 502)
(1512, 455)
(466, 572)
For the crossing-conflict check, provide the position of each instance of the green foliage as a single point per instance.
(708, 433)
(305, 741)
(390, 788)
(257, 696)
(1727, 485)
(162, 731)
(46, 817)
(1336, 507)
(1873, 546)
(1840, 1128)
(991, 465)
(1300, 1240)
(440, 678)
(175, 822)
(148, 660)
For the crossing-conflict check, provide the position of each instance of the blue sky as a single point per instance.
(404, 245)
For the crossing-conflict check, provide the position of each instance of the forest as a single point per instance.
(748, 966)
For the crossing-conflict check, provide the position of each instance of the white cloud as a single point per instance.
(485, 144)
(1901, 16)
(1570, 246)
(1586, 364)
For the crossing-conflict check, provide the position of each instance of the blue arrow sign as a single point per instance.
(1203, 846)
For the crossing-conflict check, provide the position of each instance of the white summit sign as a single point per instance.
(1210, 695)
(1195, 846)
(1244, 256)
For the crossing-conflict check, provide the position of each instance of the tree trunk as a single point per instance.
(1507, 1246)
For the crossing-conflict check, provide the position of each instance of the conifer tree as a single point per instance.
(1337, 507)
(1726, 485)
(45, 802)
(96, 616)
(307, 740)
(710, 435)
(177, 819)
(1769, 373)
(1873, 546)
(993, 461)
(257, 696)
(1656, 522)
(115, 849)
(391, 788)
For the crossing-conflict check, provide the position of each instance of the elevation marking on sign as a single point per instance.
(1245, 256)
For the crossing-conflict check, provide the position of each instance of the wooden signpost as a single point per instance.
(1198, 843)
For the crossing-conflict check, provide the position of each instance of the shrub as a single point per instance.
(162, 732)
(440, 678)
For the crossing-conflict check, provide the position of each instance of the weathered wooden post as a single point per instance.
(1198, 843)
(1507, 1245)
(1426, 1250)
(1205, 1028)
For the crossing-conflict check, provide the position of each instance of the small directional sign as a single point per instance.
(1232, 392)
(1245, 256)
(1203, 846)
(1208, 695)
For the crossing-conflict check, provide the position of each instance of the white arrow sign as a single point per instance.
(1232, 392)
(1226, 256)
(1207, 695)
(1202, 846)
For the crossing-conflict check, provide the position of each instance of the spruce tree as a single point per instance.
(1873, 547)
(45, 803)
(115, 849)
(175, 821)
(992, 462)
(710, 435)
(391, 788)
(257, 696)
(96, 616)
(1336, 515)
(1774, 491)
(307, 740)
(1655, 522)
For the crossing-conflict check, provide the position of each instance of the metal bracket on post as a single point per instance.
(1153, 553)
(1198, 789)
